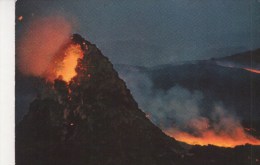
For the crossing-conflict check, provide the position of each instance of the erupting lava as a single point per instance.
(253, 70)
(210, 137)
(40, 43)
(66, 68)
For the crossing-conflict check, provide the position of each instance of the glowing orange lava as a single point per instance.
(210, 137)
(66, 69)
(253, 70)
(20, 18)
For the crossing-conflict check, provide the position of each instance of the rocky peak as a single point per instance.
(93, 119)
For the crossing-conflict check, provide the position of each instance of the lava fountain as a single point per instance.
(66, 68)
(45, 49)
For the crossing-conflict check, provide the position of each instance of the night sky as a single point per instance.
(152, 32)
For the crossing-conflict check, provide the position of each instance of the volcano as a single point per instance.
(84, 114)
(90, 119)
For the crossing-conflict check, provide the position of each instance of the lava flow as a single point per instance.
(253, 70)
(210, 137)
(66, 68)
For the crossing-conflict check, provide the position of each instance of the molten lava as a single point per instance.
(253, 70)
(210, 137)
(20, 18)
(66, 68)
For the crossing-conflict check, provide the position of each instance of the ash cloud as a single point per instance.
(40, 42)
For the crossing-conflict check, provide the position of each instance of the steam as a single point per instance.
(175, 106)
(222, 129)
(40, 43)
(180, 113)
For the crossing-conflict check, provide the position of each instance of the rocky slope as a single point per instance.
(91, 120)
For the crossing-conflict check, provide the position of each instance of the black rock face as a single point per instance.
(91, 120)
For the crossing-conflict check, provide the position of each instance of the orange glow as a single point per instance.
(210, 137)
(20, 18)
(66, 70)
(40, 43)
(253, 70)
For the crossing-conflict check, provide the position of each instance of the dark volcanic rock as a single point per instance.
(212, 155)
(92, 120)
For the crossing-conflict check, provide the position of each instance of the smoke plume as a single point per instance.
(180, 113)
(165, 108)
(40, 43)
